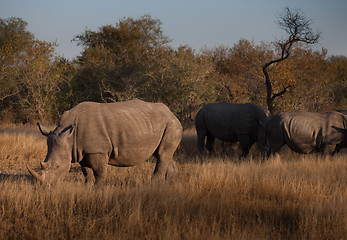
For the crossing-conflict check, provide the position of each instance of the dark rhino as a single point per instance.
(231, 122)
(119, 134)
(305, 132)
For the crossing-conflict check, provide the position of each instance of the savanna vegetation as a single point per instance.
(295, 197)
(134, 59)
(215, 197)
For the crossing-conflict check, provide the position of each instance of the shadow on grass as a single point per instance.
(5, 177)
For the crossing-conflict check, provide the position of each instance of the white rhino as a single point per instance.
(120, 134)
(231, 122)
(305, 132)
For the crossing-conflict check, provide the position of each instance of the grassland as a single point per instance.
(295, 197)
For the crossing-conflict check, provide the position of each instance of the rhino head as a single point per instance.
(59, 154)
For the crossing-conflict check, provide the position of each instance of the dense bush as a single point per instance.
(133, 59)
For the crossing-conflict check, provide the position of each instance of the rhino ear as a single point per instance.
(44, 131)
(66, 133)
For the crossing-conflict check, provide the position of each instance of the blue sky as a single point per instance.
(197, 23)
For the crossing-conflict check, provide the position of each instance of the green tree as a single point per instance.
(14, 42)
(115, 58)
(133, 60)
(179, 78)
(30, 73)
(337, 73)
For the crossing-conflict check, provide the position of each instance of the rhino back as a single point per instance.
(227, 121)
(127, 131)
(307, 131)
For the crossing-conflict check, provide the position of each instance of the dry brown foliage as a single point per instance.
(296, 197)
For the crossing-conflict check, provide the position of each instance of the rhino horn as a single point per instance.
(37, 176)
(43, 165)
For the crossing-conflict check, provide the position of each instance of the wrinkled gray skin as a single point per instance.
(231, 122)
(120, 134)
(306, 132)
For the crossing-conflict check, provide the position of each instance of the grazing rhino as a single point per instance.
(305, 132)
(120, 134)
(231, 122)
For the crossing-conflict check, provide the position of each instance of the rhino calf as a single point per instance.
(305, 132)
(231, 122)
(120, 134)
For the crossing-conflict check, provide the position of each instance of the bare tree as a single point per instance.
(297, 26)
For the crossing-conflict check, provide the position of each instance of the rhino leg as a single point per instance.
(201, 140)
(210, 142)
(88, 174)
(245, 144)
(330, 149)
(160, 170)
(95, 164)
(171, 169)
(165, 151)
(336, 150)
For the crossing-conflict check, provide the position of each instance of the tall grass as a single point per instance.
(295, 197)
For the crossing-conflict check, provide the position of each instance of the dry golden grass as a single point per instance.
(297, 197)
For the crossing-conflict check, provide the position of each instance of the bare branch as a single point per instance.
(103, 89)
(231, 97)
(8, 95)
(298, 28)
(282, 92)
